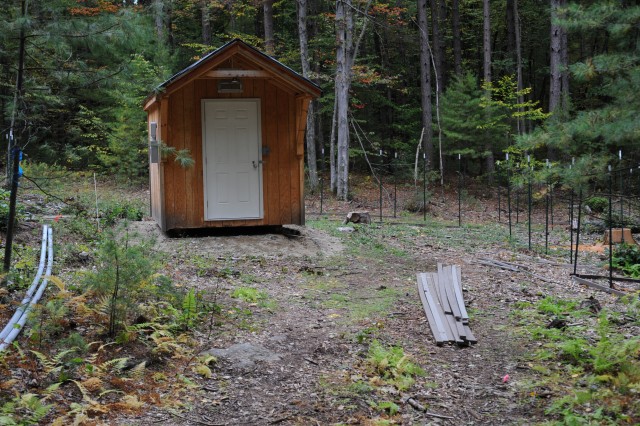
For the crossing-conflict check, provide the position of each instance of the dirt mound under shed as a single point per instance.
(289, 240)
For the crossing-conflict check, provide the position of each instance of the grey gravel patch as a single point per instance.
(243, 356)
(297, 241)
(279, 338)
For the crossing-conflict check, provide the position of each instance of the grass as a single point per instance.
(254, 296)
(394, 239)
(359, 305)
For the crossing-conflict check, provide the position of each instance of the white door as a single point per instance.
(232, 159)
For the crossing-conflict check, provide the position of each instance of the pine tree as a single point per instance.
(606, 116)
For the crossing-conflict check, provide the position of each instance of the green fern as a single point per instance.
(115, 365)
(393, 365)
(55, 364)
(189, 310)
(27, 409)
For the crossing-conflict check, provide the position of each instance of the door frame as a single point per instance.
(256, 101)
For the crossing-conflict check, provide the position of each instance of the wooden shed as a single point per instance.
(242, 116)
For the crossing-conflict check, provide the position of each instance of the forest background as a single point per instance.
(551, 79)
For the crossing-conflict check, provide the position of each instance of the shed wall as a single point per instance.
(282, 168)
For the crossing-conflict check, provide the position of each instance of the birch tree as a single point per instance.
(346, 54)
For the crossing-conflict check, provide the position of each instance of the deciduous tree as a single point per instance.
(306, 71)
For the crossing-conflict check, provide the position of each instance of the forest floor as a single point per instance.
(302, 355)
(322, 326)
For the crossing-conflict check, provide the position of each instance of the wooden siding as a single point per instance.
(237, 54)
(282, 168)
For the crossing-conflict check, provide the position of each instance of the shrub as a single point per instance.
(128, 210)
(597, 204)
(417, 203)
(125, 280)
(626, 258)
(4, 209)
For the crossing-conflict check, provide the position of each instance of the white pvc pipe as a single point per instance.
(27, 299)
(43, 285)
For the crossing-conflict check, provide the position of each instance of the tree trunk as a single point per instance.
(514, 44)
(425, 81)
(457, 42)
(206, 22)
(486, 40)
(346, 54)
(486, 44)
(158, 13)
(564, 61)
(269, 40)
(13, 155)
(343, 37)
(437, 49)
(333, 169)
(14, 132)
(511, 28)
(306, 72)
(168, 17)
(555, 82)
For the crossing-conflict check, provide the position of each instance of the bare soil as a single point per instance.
(299, 357)
(296, 362)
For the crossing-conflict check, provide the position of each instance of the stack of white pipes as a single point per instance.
(34, 293)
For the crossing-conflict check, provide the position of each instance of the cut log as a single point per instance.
(358, 217)
(620, 235)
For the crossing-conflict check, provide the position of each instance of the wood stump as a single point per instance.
(619, 235)
(358, 217)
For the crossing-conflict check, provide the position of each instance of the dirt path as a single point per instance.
(300, 358)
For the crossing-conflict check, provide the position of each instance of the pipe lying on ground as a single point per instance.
(27, 299)
(17, 322)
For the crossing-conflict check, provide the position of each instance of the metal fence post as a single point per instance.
(322, 180)
(380, 182)
(459, 190)
(509, 193)
(575, 262)
(530, 173)
(424, 187)
(610, 229)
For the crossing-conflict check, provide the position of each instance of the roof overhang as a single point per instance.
(256, 64)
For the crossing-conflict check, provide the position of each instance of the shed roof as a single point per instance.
(264, 65)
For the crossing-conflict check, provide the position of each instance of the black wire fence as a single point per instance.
(540, 195)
